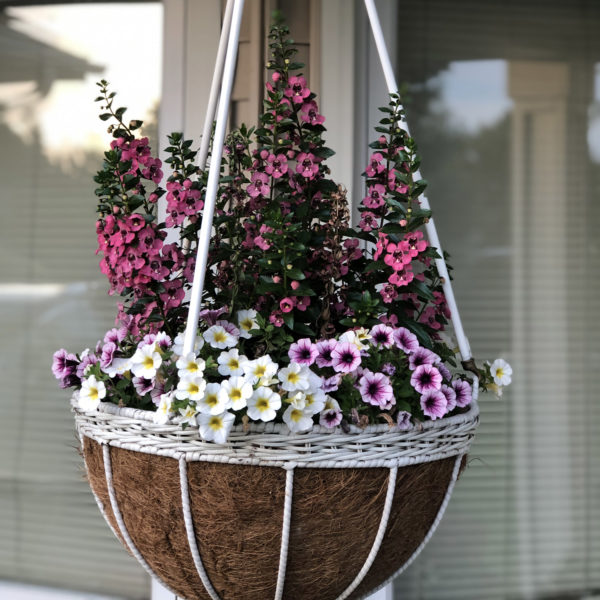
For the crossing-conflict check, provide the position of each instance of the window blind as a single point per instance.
(53, 295)
(503, 103)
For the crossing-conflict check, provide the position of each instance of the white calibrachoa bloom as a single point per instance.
(191, 388)
(218, 337)
(92, 391)
(215, 428)
(314, 401)
(178, 344)
(263, 404)
(501, 372)
(118, 366)
(164, 410)
(146, 361)
(215, 400)
(294, 377)
(297, 419)
(231, 363)
(246, 322)
(238, 390)
(358, 337)
(188, 414)
(190, 366)
(260, 370)
(331, 404)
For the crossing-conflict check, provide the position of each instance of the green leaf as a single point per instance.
(288, 319)
(303, 329)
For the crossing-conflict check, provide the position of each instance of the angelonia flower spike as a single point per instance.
(307, 321)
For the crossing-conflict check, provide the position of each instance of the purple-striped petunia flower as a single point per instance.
(346, 357)
(433, 404)
(63, 364)
(330, 418)
(406, 340)
(450, 397)
(382, 336)
(422, 356)
(426, 377)
(324, 350)
(375, 389)
(463, 392)
(303, 352)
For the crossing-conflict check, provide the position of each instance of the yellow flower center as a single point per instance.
(293, 377)
(148, 362)
(192, 366)
(193, 388)
(499, 372)
(215, 423)
(309, 399)
(296, 415)
(233, 364)
(246, 324)
(260, 371)
(262, 404)
(211, 400)
(219, 337)
(235, 394)
(93, 393)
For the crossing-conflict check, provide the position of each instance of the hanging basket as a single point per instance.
(323, 515)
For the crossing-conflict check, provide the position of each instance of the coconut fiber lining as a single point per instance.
(238, 511)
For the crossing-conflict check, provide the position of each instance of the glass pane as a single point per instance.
(505, 109)
(52, 292)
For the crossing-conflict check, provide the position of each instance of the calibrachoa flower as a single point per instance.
(406, 340)
(218, 337)
(501, 372)
(294, 377)
(246, 321)
(263, 404)
(297, 419)
(434, 404)
(215, 400)
(382, 335)
(191, 388)
(92, 391)
(190, 365)
(215, 428)
(231, 363)
(164, 410)
(260, 370)
(421, 356)
(463, 392)
(238, 390)
(324, 356)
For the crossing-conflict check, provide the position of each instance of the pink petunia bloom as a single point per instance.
(382, 336)
(330, 418)
(422, 356)
(86, 361)
(450, 397)
(324, 350)
(211, 315)
(307, 165)
(375, 389)
(108, 352)
(331, 384)
(63, 364)
(303, 352)
(434, 404)
(426, 377)
(443, 369)
(463, 392)
(346, 357)
(404, 420)
(296, 89)
(406, 340)
(142, 386)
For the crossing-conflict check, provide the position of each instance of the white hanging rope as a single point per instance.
(213, 179)
(440, 263)
(285, 532)
(191, 533)
(385, 516)
(119, 518)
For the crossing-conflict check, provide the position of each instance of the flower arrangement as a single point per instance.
(307, 320)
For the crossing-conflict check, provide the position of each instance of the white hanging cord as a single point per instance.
(285, 532)
(440, 263)
(213, 179)
(214, 87)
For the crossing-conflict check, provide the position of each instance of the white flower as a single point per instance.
(145, 362)
(246, 322)
(219, 337)
(215, 428)
(314, 401)
(238, 390)
(190, 366)
(294, 377)
(358, 337)
(263, 404)
(297, 419)
(215, 400)
(314, 381)
(188, 414)
(191, 387)
(92, 391)
(164, 410)
(501, 372)
(260, 370)
(231, 363)
(298, 400)
(331, 403)
(118, 366)
(178, 344)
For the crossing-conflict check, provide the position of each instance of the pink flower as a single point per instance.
(368, 221)
(276, 165)
(388, 293)
(375, 165)
(382, 244)
(259, 186)
(403, 420)
(303, 352)
(108, 352)
(302, 302)
(296, 89)
(463, 392)
(401, 278)
(429, 318)
(422, 356)
(307, 165)
(330, 418)
(276, 318)
(332, 383)
(309, 113)
(346, 357)
(382, 336)
(287, 304)
(63, 364)
(426, 377)
(450, 397)
(324, 349)
(375, 389)
(376, 196)
(433, 404)
(406, 340)
(152, 170)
